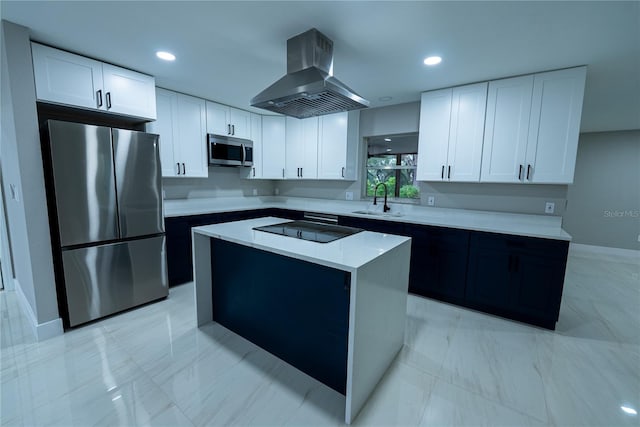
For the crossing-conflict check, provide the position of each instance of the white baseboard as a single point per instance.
(579, 249)
(41, 331)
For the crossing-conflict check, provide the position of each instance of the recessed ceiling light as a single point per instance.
(385, 98)
(432, 60)
(165, 55)
(388, 139)
(629, 410)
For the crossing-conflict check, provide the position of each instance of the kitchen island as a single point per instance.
(335, 310)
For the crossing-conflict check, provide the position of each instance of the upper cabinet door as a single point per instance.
(433, 139)
(64, 78)
(240, 122)
(228, 121)
(555, 125)
(506, 129)
(273, 147)
(128, 92)
(191, 138)
(301, 148)
(166, 127)
(466, 133)
(256, 136)
(217, 121)
(332, 146)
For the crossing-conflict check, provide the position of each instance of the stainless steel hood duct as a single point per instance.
(309, 88)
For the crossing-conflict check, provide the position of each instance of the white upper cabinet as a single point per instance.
(273, 147)
(506, 129)
(65, 78)
(181, 125)
(229, 121)
(255, 172)
(301, 152)
(433, 137)
(68, 79)
(532, 127)
(466, 133)
(128, 92)
(451, 134)
(556, 109)
(337, 145)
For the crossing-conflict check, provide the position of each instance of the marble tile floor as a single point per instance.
(152, 366)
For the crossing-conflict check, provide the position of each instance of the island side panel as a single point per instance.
(377, 320)
(294, 309)
(202, 277)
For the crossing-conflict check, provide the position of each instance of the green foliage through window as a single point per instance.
(396, 171)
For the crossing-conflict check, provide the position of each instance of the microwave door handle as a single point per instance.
(244, 153)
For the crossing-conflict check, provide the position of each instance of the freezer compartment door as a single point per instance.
(85, 191)
(103, 280)
(138, 182)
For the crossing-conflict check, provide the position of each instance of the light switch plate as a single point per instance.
(255, 191)
(431, 201)
(348, 195)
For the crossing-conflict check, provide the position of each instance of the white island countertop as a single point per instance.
(378, 271)
(348, 253)
(540, 226)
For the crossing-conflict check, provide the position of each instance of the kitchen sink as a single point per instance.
(377, 213)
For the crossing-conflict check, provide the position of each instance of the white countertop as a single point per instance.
(542, 226)
(348, 253)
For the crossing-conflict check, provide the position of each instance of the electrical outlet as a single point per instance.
(431, 201)
(164, 194)
(348, 195)
(255, 191)
(549, 207)
(638, 237)
(276, 191)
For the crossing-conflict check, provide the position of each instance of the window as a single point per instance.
(392, 160)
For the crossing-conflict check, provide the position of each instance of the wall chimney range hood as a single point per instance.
(309, 88)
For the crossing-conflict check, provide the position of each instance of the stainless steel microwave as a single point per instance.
(229, 151)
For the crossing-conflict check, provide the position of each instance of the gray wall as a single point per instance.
(23, 176)
(222, 182)
(604, 200)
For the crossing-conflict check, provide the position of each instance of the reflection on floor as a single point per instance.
(151, 366)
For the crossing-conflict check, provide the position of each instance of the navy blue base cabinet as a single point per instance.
(178, 232)
(301, 316)
(517, 277)
(438, 262)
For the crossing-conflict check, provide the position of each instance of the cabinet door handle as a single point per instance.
(283, 172)
(108, 96)
(178, 164)
(520, 173)
(449, 172)
(99, 97)
(184, 170)
(343, 171)
(233, 129)
(528, 172)
(300, 172)
(442, 173)
(254, 171)
(228, 129)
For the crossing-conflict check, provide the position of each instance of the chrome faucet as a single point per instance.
(386, 207)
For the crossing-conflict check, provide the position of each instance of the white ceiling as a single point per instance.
(230, 51)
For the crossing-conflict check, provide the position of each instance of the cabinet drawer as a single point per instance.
(549, 247)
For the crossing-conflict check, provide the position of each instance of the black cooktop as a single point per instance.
(308, 230)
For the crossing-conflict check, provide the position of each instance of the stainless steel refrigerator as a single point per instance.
(105, 206)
